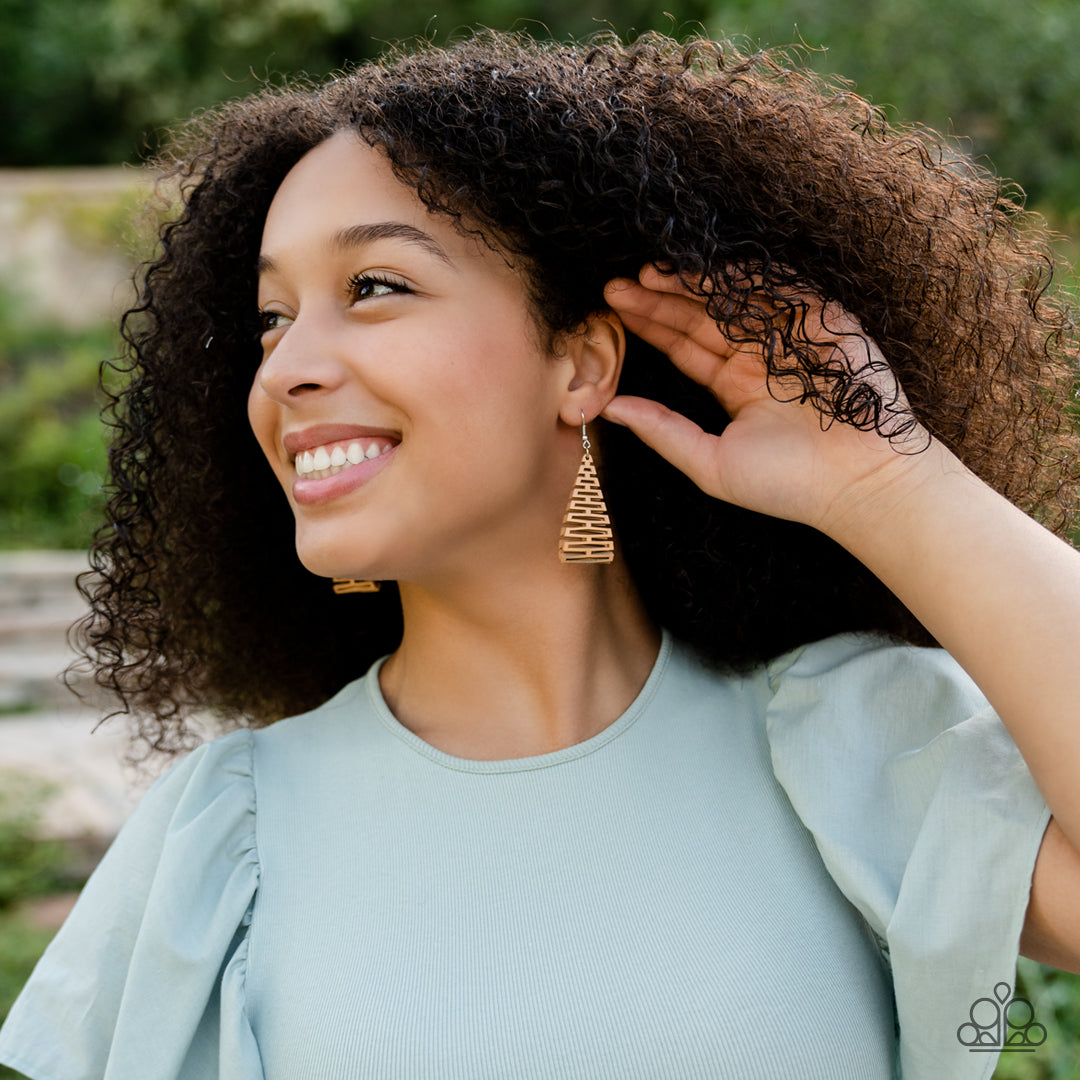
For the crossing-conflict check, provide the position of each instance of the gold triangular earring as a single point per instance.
(350, 585)
(586, 531)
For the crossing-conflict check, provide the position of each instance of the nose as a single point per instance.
(300, 362)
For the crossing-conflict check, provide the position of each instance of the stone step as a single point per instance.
(47, 752)
(84, 789)
(31, 579)
(31, 679)
(49, 622)
(38, 604)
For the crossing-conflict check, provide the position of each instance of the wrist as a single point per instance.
(896, 496)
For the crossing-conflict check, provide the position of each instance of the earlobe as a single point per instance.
(596, 353)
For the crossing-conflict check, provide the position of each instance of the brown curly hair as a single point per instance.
(582, 162)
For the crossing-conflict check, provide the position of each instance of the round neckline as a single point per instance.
(523, 764)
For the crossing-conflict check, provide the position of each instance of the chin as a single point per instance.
(336, 560)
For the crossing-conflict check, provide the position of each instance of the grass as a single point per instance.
(21, 945)
(1055, 998)
(29, 867)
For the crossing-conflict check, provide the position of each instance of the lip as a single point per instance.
(296, 442)
(307, 492)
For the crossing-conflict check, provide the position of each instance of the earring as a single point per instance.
(586, 532)
(344, 585)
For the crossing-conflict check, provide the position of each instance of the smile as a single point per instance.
(323, 461)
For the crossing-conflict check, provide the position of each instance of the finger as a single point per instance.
(740, 288)
(676, 325)
(672, 305)
(674, 437)
(737, 280)
(663, 280)
(675, 308)
(827, 325)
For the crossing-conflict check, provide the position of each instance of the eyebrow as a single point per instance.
(355, 236)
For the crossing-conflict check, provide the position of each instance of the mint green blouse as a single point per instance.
(811, 871)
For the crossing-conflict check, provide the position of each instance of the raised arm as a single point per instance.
(996, 589)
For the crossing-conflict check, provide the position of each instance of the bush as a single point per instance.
(52, 443)
(29, 866)
(1055, 997)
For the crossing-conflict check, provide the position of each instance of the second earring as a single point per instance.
(586, 531)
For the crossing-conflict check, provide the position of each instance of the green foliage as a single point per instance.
(21, 944)
(28, 867)
(1055, 997)
(97, 80)
(999, 74)
(52, 443)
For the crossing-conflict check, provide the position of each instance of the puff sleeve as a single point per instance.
(925, 815)
(146, 976)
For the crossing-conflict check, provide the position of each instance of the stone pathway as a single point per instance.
(45, 734)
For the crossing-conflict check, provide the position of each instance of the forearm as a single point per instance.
(997, 590)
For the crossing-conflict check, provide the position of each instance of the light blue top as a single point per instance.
(332, 898)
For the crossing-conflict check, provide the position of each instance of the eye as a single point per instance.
(371, 286)
(271, 320)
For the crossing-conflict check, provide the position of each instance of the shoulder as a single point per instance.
(219, 774)
(923, 811)
(164, 911)
(863, 728)
(873, 671)
(326, 721)
(875, 699)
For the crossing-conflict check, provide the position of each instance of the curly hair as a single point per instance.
(581, 162)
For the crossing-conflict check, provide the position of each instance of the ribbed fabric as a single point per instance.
(644, 905)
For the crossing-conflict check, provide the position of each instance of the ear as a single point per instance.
(595, 353)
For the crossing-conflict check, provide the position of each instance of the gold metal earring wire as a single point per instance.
(344, 585)
(586, 530)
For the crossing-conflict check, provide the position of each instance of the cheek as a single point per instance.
(262, 418)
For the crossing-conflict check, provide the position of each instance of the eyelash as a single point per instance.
(263, 322)
(355, 284)
(358, 282)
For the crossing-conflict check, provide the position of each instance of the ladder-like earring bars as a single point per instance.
(586, 530)
(344, 585)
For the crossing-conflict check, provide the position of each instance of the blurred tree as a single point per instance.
(999, 74)
(95, 81)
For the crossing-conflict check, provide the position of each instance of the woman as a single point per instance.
(695, 812)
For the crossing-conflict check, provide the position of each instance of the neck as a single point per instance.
(505, 668)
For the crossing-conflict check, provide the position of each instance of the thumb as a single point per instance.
(670, 434)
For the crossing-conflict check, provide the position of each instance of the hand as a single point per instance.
(776, 456)
(997, 590)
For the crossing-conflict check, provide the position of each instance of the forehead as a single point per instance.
(342, 202)
(343, 195)
(343, 176)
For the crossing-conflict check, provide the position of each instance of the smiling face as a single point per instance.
(404, 399)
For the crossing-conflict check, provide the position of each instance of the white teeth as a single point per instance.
(320, 463)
